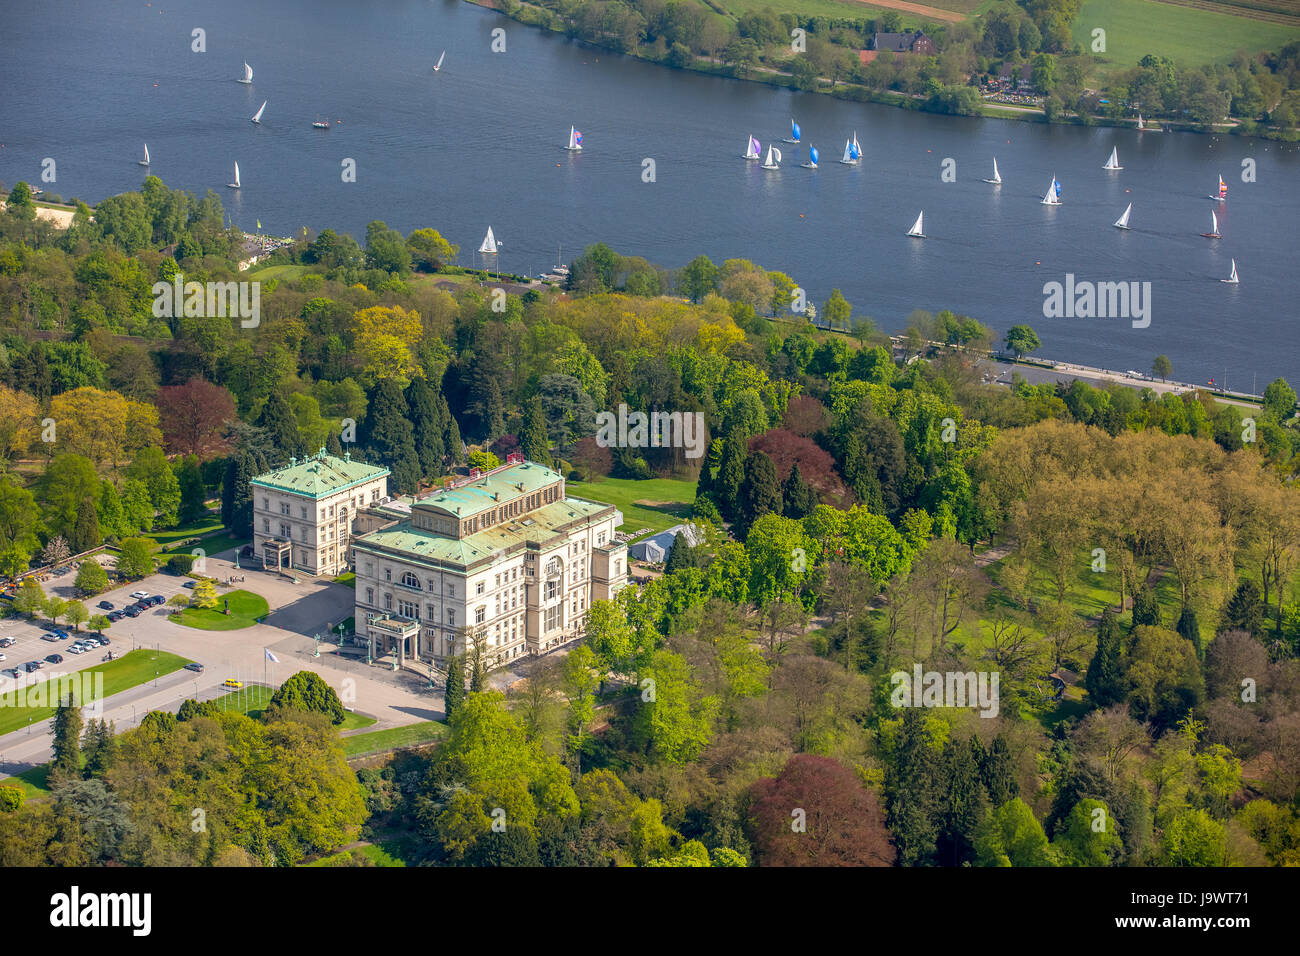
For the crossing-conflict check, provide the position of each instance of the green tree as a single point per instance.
(798, 498)
(76, 614)
(1193, 838)
(136, 558)
(1089, 836)
(91, 577)
(675, 718)
(20, 203)
(698, 278)
(1146, 608)
(760, 493)
(1279, 399)
(67, 736)
(455, 691)
(1012, 836)
(1106, 681)
(731, 475)
(307, 691)
(31, 598)
(389, 437)
(1244, 610)
(579, 683)
(1162, 368)
(193, 503)
(534, 441)
(1022, 340)
(85, 532)
(837, 312)
(281, 427)
(1188, 628)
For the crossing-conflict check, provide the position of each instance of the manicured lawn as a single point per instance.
(1190, 37)
(355, 721)
(407, 736)
(31, 782)
(277, 272)
(348, 577)
(129, 670)
(378, 853)
(666, 501)
(245, 608)
(251, 699)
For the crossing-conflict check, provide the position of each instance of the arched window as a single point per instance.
(553, 566)
(409, 580)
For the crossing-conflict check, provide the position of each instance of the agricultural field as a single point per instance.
(1186, 35)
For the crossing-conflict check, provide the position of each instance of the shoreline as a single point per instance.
(845, 90)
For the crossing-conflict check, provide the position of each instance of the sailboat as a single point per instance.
(1232, 279)
(321, 124)
(917, 231)
(773, 160)
(438, 66)
(235, 184)
(813, 156)
(1223, 191)
(489, 246)
(257, 117)
(1214, 227)
(1113, 162)
(996, 180)
(1122, 221)
(1053, 197)
(248, 73)
(851, 151)
(754, 150)
(1154, 128)
(145, 161)
(795, 133)
(575, 140)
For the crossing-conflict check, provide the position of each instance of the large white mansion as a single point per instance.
(502, 559)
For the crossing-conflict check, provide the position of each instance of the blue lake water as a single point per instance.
(480, 143)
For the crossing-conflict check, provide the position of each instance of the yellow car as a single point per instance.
(231, 682)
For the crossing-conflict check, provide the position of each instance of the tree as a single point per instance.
(428, 412)
(1164, 676)
(85, 533)
(1188, 628)
(579, 682)
(731, 475)
(99, 623)
(76, 614)
(429, 250)
(1022, 340)
(193, 417)
(307, 691)
(1105, 680)
(136, 558)
(837, 312)
(91, 577)
(455, 692)
(31, 598)
(1146, 608)
(534, 442)
(204, 594)
(154, 471)
(1162, 367)
(676, 722)
(698, 278)
(1193, 838)
(759, 492)
(798, 499)
(56, 551)
(67, 736)
(1244, 610)
(20, 203)
(816, 812)
(193, 504)
(1089, 836)
(281, 427)
(1279, 399)
(389, 437)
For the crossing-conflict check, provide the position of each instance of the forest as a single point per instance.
(1128, 565)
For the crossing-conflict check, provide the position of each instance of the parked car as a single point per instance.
(13, 672)
(2, 657)
(106, 605)
(132, 611)
(139, 594)
(32, 666)
(55, 658)
(6, 641)
(231, 682)
(194, 666)
(52, 638)
(62, 635)
(103, 640)
(156, 600)
(76, 649)
(115, 616)
(189, 584)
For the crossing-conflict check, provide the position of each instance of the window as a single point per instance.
(388, 574)
(600, 539)
(388, 602)
(451, 617)
(266, 525)
(451, 590)
(433, 612)
(408, 609)
(553, 617)
(303, 509)
(553, 566)
(478, 589)
(409, 580)
(370, 595)
(370, 569)
(480, 614)
(552, 590)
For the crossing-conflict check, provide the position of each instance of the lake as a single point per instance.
(480, 142)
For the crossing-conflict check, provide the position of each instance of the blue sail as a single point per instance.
(794, 131)
(853, 151)
(812, 154)
(1058, 187)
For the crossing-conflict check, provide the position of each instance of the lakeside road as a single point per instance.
(1001, 371)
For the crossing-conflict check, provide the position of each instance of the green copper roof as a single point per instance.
(416, 544)
(320, 475)
(493, 489)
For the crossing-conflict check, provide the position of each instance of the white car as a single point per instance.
(139, 594)
(76, 649)
(2, 657)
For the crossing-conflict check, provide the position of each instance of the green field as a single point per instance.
(1189, 37)
(134, 667)
(848, 9)
(277, 272)
(31, 782)
(665, 501)
(407, 736)
(245, 608)
(252, 699)
(381, 854)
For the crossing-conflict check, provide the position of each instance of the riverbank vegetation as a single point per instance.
(1040, 56)
(1127, 564)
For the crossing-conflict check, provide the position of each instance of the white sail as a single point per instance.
(851, 151)
(145, 161)
(1214, 222)
(917, 231)
(248, 73)
(997, 179)
(575, 139)
(1052, 199)
(235, 184)
(1122, 221)
(257, 117)
(773, 160)
(1232, 278)
(752, 149)
(1140, 124)
(489, 246)
(1113, 162)
(438, 66)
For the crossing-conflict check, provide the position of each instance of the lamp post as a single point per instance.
(340, 633)
(432, 685)
(316, 646)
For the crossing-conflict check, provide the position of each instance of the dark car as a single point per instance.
(103, 640)
(6, 642)
(13, 672)
(131, 611)
(106, 605)
(194, 666)
(114, 616)
(55, 658)
(155, 600)
(189, 584)
(32, 666)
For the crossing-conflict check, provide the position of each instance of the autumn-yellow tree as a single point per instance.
(385, 338)
(19, 422)
(103, 426)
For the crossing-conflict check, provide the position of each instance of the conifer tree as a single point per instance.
(731, 474)
(67, 736)
(85, 532)
(534, 441)
(1105, 678)
(711, 462)
(680, 555)
(1189, 628)
(427, 426)
(759, 492)
(455, 695)
(281, 427)
(1244, 610)
(797, 497)
(1146, 608)
(390, 438)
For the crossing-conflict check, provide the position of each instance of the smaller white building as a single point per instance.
(654, 549)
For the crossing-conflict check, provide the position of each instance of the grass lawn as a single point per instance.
(1190, 37)
(31, 782)
(251, 699)
(348, 577)
(245, 608)
(208, 524)
(406, 736)
(667, 501)
(851, 9)
(212, 544)
(129, 670)
(277, 272)
(381, 854)
(355, 721)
